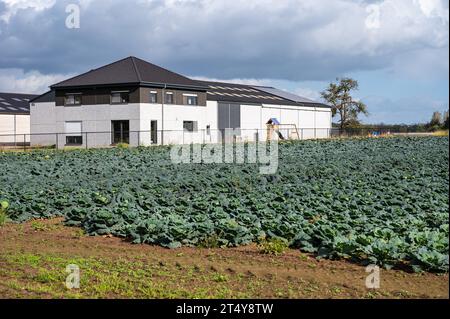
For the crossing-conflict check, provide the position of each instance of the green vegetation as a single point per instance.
(3, 207)
(273, 246)
(45, 276)
(343, 105)
(123, 145)
(382, 201)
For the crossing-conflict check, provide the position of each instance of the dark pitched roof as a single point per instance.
(130, 70)
(15, 103)
(230, 92)
(43, 98)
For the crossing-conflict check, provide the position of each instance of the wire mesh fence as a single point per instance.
(170, 137)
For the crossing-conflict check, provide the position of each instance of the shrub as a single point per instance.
(3, 208)
(273, 246)
(122, 145)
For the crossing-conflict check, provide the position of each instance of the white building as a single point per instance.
(15, 118)
(139, 103)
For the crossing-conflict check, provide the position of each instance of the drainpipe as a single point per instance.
(162, 114)
(15, 131)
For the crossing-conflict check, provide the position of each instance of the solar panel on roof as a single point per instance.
(286, 95)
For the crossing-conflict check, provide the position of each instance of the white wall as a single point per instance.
(311, 122)
(46, 118)
(13, 128)
(174, 116)
(48, 123)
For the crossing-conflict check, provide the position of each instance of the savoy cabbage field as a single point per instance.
(381, 201)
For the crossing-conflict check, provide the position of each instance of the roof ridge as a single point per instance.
(99, 68)
(162, 68)
(136, 69)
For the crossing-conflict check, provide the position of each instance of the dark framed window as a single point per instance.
(170, 99)
(74, 140)
(72, 99)
(190, 126)
(120, 97)
(153, 97)
(190, 99)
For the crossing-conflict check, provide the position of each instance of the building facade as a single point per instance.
(135, 102)
(15, 118)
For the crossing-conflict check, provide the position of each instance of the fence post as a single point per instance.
(57, 141)
(86, 142)
(24, 141)
(139, 138)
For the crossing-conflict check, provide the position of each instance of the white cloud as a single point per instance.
(13, 7)
(433, 8)
(17, 81)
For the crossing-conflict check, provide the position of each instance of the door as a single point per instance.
(154, 132)
(229, 116)
(120, 132)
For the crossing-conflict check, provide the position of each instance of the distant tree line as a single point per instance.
(439, 121)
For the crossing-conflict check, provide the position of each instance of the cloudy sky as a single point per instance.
(398, 50)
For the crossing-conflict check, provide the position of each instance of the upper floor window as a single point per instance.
(190, 99)
(169, 98)
(72, 99)
(153, 97)
(120, 97)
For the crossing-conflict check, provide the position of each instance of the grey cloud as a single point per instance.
(291, 40)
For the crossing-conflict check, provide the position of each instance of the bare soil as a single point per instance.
(33, 257)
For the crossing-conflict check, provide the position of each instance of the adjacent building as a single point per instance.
(133, 101)
(15, 118)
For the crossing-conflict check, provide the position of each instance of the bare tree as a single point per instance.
(338, 95)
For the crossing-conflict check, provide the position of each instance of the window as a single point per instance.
(73, 99)
(120, 97)
(153, 97)
(120, 131)
(169, 98)
(74, 140)
(73, 133)
(190, 99)
(190, 126)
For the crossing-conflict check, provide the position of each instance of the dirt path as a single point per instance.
(33, 258)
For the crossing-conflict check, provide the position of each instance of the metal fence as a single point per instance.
(169, 137)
